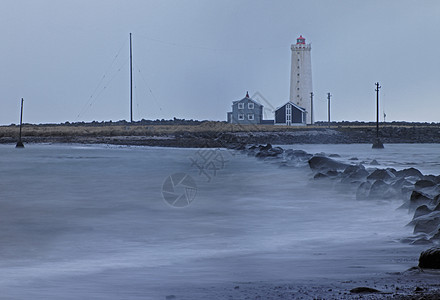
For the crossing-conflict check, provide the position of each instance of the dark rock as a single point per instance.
(322, 162)
(421, 211)
(382, 174)
(354, 158)
(355, 172)
(427, 223)
(421, 241)
(320, 176)
(423, 184)
(374, 163)
(334, 155)
(417, 199)
(332, 173)
(430, 259)
(267, 147)
(364, 290)
(410, 172)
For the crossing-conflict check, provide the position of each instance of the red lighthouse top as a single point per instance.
(300, 40)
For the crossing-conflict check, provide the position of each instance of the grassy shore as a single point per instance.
(218, 134)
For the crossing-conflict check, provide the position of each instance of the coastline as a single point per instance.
(218, 134)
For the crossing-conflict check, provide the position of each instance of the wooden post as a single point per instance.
(328, 98)
(377, 144)
(20, 143)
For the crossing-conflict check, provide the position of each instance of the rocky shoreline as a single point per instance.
(420, 195)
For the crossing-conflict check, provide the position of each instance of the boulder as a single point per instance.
(421, 211)
(380, 190)
(374, 163)
(320, 175)
(430, 259)
(363, 191)
(427, 223)
(424, 183)
(410, 172)
(382, 174)
(323, 162)
(418, 198)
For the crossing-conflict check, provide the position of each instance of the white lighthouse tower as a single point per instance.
(301, 77)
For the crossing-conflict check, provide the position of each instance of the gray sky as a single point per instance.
(69, 59)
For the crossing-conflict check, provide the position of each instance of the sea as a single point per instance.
(119, 222)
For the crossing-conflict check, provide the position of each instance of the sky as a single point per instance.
(69, 60)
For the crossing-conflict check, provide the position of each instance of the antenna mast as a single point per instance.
(131, 82)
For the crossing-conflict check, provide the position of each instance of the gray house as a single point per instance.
(246, 111)
(290, 114)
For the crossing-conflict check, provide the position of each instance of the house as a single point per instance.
(290, 114)
(246, 111)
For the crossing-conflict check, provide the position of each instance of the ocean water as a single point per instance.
(107, 222)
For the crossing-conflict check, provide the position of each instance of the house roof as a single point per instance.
(249, 99)
(294, 105)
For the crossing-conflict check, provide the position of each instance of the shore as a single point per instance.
(219, 134)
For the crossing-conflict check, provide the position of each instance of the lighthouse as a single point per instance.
(301, 77)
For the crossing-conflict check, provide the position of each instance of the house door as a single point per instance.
(288, 114)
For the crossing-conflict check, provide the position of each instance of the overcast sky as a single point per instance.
(69, 60)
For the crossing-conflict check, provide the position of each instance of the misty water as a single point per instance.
(91, 221)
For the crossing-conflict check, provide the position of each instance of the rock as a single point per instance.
(334, 155)
(430, 259)
(364, 290)
(353, 158)
(374, 163)
(322, 162)
(332, 173)
(363, 191)
(320, 175)
(424, 184)
(421, 211)
(421, 241)
(427, 223)
(417, 199)
(382, 174)
(379, 190)
(410, 172)
(355, 172)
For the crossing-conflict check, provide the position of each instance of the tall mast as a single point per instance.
(131, 82)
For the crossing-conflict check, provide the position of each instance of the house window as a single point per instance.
(250, 105)
(240, 105)
(251, 117)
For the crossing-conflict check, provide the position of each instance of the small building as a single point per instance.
(290, 114)
(246, 111)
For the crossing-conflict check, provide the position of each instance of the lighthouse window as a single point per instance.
(297, 89)
(241, 116)
(298, 59)
(240, 105)
(297, 74)
(250, 117)
(250, 105)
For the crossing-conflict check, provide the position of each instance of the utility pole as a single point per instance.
(311, 108)
(377, 144)
(328, 98)
(131, 83)
(20, 143)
